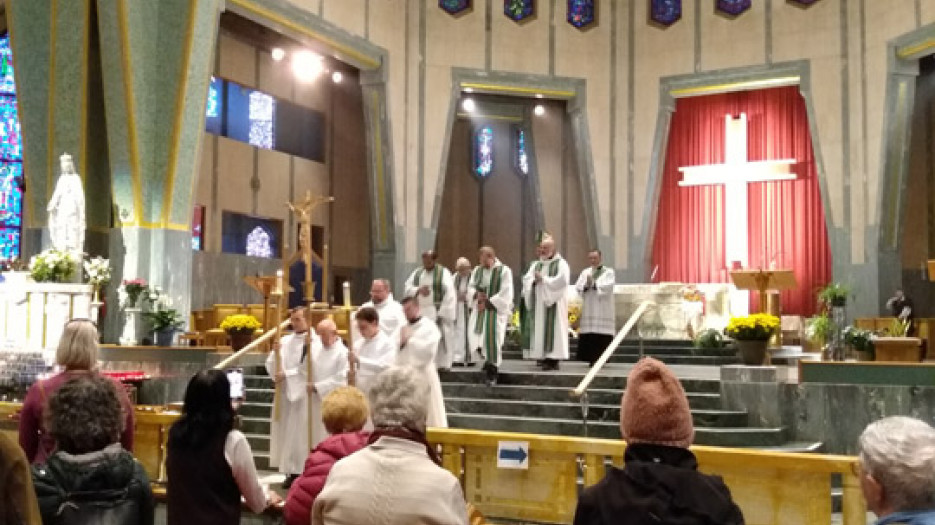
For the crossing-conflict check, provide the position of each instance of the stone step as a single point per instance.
(562, 378)
(572, 411)
(669, 359)
(256, 425)
(657, 350)
(258, 395)
(722, 437)
(537, 394)
(258, 442)
(255, 409)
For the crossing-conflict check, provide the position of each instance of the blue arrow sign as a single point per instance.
(517, 454)
(513, 455)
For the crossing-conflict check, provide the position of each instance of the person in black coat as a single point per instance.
(659, 482)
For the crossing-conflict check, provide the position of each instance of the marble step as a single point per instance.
(722, 358)
(630, 349)
(259, 443)
(536, 394)
(568, 379)
(259, 425)
(572, 411)
(723, 437)
(256, 409)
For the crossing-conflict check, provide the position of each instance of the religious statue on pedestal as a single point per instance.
(66, 210)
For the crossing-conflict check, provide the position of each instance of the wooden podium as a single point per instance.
(930, 266)
(762, 281)
(264, 284)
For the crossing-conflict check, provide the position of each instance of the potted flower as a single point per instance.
(98, 270)
(861, 341)
(134, 288)
(240, 328)
(835, 294)
(818, 331)
(164, 322)
(709, 339)
(751, 336)
(895, 345)
(52, 266)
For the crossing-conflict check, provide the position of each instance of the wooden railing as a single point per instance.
(769, 487)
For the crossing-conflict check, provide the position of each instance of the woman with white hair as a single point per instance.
(397, 479)
(897, 470)
(77, 353)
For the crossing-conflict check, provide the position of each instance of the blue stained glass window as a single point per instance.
(262, 109)
(258, 243)
(733, 7)
(520, 153)
(214, 108)
(666, 12)
(580, 12)
(483, 151)
(11, 158)
(453, 7)
(518, 9)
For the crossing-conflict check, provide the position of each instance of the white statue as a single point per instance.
(66, 210)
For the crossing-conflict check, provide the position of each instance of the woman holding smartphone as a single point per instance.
(209, 463)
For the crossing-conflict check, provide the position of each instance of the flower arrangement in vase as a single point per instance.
(751, 336)
(134, 289)
(240, 328)
(52, 266)
(98, 271)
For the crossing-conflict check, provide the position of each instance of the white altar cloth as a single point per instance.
(33, 315)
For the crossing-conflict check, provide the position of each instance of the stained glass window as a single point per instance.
(520, 153)
(666, 12)
(453, 7)
(733, 7)
(580, 12)
(518, 9)
(198, 228)
(483, 151)
(11, 158)
(258, 243)
(262, 108)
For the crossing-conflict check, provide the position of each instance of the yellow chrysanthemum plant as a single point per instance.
(240, 323)
(756, 327)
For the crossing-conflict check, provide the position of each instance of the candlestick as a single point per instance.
(278, 290)
(347, 294)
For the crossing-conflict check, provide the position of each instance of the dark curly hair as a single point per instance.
(85, 414)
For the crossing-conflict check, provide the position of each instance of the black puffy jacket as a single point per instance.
(107, 487)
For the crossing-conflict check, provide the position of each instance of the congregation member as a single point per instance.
(77, 353)
(209, 463)
(900, 305)
(91, 478)
(545, 294)
(461, 352)
(491, 294)
(17, 496)
(418, 342)
(344, 412)
(391, 313)
(433, 288)
(897, 470)
(289, 439)
(659, 482)
(398, 478)
(596, 329)
(373, 352)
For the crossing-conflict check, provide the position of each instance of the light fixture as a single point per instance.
(468, 90)
(539, 110)
(538, 95)
(278, 53)
(337, 77)
(468, 105)
(306, 66)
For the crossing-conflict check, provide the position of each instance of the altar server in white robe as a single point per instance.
(289, 443)
(545, 292)
(374, 351)
(418, 343)
(329, 371)
(596, 329)
(491, 294)
(461, 353)
(433, 288)
(391, 313)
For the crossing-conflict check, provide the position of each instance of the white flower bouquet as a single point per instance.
(52, 266)
(98, 271)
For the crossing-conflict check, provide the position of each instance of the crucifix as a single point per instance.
(303, 211)
(735, 174)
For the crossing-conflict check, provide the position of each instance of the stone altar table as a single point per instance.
(33, 315)
(671, 314)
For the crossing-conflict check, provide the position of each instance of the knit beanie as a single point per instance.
(654, 409)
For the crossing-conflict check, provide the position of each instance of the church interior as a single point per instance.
(189, 174)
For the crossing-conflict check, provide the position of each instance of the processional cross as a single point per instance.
(303, 211)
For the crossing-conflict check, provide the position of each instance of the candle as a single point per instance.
(278, 290)
(347, 294)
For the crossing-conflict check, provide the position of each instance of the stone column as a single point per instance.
(157, 59)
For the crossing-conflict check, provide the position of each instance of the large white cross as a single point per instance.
(735, 174)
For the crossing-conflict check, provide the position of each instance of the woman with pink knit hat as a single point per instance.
(659, 482)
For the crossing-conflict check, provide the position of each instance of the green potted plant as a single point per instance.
(52, 266)
(818, 330)
(835, 294)
(861, 341)
(164, 322)
(709, 339)
(751, 336)
(240, 328)
(896, 345)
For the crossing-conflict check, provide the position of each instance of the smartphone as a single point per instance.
(235, 376)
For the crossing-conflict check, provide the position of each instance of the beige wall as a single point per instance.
(228, 166)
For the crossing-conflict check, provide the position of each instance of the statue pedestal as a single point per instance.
(131, 317)
(33, 315)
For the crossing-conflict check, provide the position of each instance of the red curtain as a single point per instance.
(786, 220)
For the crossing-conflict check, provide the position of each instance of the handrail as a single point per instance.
(253, 344)
(582, 387)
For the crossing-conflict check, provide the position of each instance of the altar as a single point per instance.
(673, 312)
(33, 315)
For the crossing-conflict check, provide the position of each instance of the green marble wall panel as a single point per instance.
(50, 41)
(157, 59)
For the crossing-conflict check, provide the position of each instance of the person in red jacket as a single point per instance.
(344, 412)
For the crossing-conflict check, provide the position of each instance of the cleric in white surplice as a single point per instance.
(491, 294)
(545, 291)
(596, 328)
(374, 351)
(433, 288)
(418, 342)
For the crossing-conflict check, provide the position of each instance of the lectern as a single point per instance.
(930, 264)
(264, 284)
(762, 281)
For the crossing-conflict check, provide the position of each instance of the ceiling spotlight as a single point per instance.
(538, 95)
(468, 90)
(337, 77)
(468, 105)
(278, 53)
(306, 66)
(539, 110)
